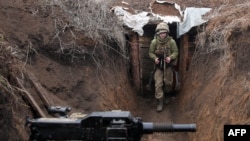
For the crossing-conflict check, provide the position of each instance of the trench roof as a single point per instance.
(160, 11)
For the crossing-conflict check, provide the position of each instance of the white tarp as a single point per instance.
(192, 18)
(134, 21)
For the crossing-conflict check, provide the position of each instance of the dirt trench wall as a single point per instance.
(216, 91)
(13, 109)
(215, 94)
(95, 82)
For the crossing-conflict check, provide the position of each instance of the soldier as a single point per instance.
(164, 52)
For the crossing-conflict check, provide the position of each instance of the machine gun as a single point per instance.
(99, 126)
(59, 111)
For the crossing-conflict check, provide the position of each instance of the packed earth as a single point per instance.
(54, 55)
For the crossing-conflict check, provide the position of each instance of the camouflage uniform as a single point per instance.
(157, 49)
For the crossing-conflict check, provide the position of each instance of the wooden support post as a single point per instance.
(135, 63)
(183, 56)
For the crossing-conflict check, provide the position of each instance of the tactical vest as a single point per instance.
(161, 48)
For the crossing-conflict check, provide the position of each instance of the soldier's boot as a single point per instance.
(160, 105)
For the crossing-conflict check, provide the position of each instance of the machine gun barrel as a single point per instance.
(149, 127)
(99, 126)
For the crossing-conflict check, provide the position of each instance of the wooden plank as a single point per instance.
(135, 62)
(146, 64)
(31, 100)
(41, 91)
(183, 56)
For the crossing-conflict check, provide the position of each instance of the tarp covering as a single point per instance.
(133, 21)
(192, 17)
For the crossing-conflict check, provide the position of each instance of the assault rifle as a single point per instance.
(99, 126)
(162, 65)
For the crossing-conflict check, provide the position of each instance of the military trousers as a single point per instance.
(163, 81)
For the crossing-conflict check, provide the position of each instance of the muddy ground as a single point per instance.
(215, 92)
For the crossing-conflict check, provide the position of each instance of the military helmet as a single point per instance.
(161, 28)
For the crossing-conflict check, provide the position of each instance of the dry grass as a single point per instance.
(93, 18)
(218, 36)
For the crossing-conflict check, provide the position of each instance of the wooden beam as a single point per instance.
(135, 61)
(31, 100)
(183, 56)
(41, 91)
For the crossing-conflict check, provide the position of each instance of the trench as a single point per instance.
(141, 76)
